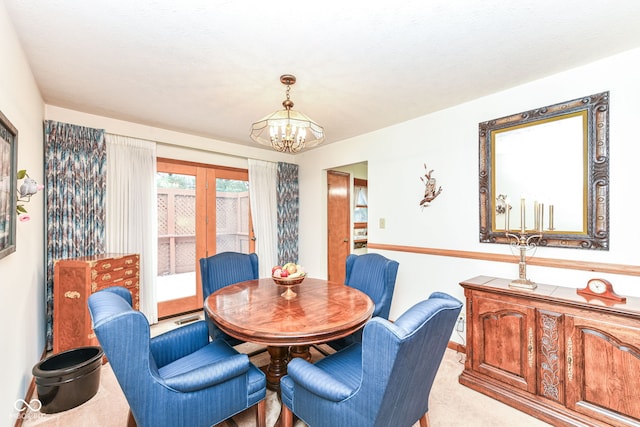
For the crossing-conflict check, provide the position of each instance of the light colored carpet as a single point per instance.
(450, 404)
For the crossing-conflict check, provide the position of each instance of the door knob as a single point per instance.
(346, 240)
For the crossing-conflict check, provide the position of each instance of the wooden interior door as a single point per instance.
(338, 224)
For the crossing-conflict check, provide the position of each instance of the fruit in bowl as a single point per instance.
(288, 274)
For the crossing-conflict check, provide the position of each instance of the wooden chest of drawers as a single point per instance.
(74, 280)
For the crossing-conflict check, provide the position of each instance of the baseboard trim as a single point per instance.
(457, 347)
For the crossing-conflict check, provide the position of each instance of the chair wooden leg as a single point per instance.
(131, 422)
(286, 417)
(424, 421)
(261, 417)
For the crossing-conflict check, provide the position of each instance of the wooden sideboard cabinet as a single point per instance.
(554, 354)
(74, 280)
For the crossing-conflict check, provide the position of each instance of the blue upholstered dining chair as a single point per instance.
(383, 381)
(375, 275)
(224, 269)
(178, 378)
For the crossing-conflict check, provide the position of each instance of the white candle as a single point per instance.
(550, 217)
(541, 217)
(506, 227)
(522, 216)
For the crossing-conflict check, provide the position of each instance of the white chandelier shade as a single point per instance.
(287, 130)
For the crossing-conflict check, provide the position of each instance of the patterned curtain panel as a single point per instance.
(288, 210)
(75, 173)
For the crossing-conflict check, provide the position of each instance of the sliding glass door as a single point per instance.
(202, 210)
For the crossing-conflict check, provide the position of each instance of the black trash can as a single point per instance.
(68, 379)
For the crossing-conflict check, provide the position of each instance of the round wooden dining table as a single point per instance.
(259, 311)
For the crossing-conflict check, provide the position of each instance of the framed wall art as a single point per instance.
(8, 182)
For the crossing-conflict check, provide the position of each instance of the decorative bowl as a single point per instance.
(286, 281)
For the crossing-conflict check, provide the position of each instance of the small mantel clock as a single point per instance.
(602, 289)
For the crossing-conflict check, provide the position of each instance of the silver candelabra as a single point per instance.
(524, 242)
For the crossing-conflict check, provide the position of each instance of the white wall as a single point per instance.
(21, 273)
(447, 141)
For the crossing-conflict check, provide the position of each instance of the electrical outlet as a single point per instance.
(460, 324)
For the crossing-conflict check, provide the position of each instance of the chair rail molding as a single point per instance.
(601, 267)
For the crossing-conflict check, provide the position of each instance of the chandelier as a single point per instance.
(287, 130)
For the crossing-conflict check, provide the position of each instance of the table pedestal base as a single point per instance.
(300, 351)
(280, 356)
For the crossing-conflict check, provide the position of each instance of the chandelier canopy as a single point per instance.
(287, 130)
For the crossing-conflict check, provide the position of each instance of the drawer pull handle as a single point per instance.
(128, 261)
(530, 348)
(106, 265)
(106, 277)
(570, 359)
(72, 294)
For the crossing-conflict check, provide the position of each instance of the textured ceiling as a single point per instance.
(211, 68)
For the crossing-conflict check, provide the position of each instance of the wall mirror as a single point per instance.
(547, 170)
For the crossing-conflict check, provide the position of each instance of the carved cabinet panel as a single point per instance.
(554, 354)
(550, 366)
(74, 280)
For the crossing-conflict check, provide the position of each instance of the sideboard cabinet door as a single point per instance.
(504, 341)
(603, 369)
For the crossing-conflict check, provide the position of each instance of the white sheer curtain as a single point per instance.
(131, 210)
(263, 178)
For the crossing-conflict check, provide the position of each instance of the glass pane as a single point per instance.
(360, 215)
(232, 215)
(360, 210)
(361, 198)
(176, 236)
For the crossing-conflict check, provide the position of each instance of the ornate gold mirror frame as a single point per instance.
(560, 150)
